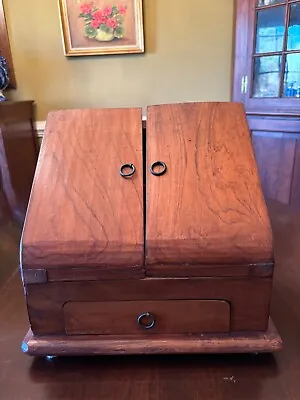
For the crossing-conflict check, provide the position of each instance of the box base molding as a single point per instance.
(80, 345)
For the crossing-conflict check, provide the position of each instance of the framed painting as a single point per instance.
(100, 27)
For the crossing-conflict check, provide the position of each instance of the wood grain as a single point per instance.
(208, 207)
(249, 298)
(89, 215)
(71, 274)
(171, 317)
(242, 342)
(176, 271)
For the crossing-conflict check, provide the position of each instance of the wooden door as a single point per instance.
(82, 213)
(267, 81)
(208, 207)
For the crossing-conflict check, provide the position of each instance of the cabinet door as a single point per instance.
(208, 205)
(277, 150)
(267, 62)
(82, 212)
(267, 81)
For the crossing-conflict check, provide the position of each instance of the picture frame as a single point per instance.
(101, 27)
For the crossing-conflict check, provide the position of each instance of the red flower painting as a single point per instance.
(101, 27)
(103, 24)
(122, 9)
(85, 8)
(112, 23)
(107, 11)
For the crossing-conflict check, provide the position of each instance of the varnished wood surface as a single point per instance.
(93, 273)
(165, 377)
(169, 317)
(249, 298)
(208, 207)
(238, 342)
(173, 270)
(89, 215)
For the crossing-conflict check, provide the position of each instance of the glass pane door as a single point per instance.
(276, 52)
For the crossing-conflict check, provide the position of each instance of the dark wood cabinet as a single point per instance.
(276, 142)
(267, 81)
(18, 154)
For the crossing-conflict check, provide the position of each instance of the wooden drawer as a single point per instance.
(132, 317)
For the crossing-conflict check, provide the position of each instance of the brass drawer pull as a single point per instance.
(131, 167)
(158, 164)
(146, 320)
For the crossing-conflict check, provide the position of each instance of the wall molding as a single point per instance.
(39, 127)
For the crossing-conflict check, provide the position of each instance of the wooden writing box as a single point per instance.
(174, 257)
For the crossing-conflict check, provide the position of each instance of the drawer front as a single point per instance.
(132, 317)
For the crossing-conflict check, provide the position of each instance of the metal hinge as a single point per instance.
(33, 276)
(244, 84)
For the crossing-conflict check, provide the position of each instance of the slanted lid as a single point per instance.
(82, 212)
(208, 208)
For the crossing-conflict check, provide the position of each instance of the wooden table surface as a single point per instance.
(213, 377)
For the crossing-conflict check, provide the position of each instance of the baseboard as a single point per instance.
(39, 127)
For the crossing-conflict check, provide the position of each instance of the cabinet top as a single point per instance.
(10, 103)
(206, 209)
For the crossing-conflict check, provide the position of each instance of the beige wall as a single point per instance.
(188, 58)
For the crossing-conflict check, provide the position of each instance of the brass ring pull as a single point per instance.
(146, 320)
(127, 174)
(158, 164)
